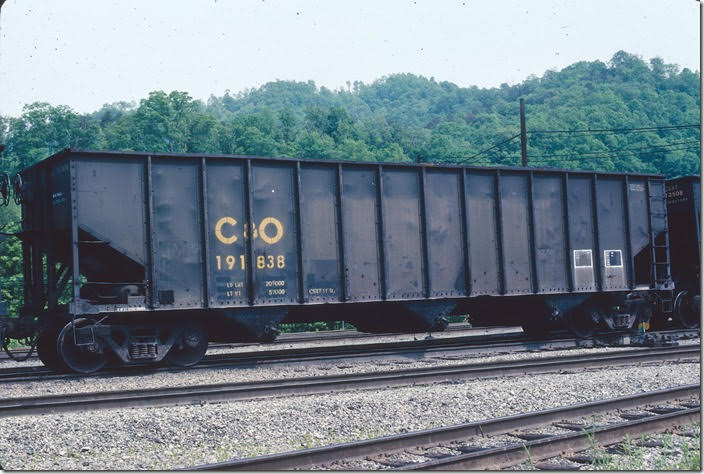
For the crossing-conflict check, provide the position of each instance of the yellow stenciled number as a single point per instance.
(230, 260)
(270, 261)
(279, 230)
(218, 230)
(281, 261)
(261, 262)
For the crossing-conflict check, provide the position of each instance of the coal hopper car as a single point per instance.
(684, 220)
(141, 257)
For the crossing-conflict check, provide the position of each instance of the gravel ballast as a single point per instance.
(165, 438)
(266, 372)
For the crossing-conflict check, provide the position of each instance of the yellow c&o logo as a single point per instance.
(270, 237)
(279, 230)
(218, 230)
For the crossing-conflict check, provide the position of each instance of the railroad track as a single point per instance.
(335, 383)
(458, 438)
(318, 336)
(452, 347)
(298, 355)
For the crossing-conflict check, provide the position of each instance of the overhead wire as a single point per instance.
(595, 154)
(576, 157)
(619, 150)
(492, 147)
(614, 130)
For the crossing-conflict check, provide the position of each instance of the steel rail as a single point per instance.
(449, 347)
(301, 355)
(306, 458)
(497, 458)
(327, 384)
(321, 336)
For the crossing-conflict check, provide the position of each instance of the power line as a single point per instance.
(619, 150)
(562, 159)
(615, 130)
(492, 147)
(548, 159)
(582, 131)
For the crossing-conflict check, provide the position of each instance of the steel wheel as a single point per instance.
(46, 347)
(82, 359)
(190, 345)
(687, 310)
(584, 321)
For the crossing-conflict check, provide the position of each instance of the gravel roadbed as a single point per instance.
(170, 437)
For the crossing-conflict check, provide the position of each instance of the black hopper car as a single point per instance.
(683, 216)
(140, 257)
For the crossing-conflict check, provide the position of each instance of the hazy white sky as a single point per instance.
(84, 53)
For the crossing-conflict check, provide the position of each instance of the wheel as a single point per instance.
(46, 347)
(190, 345)
(584, 320)
(84, 359)
(687, 310)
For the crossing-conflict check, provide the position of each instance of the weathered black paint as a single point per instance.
(229, 232)
(684, 217)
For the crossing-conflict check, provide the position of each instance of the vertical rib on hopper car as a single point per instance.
(239, 244)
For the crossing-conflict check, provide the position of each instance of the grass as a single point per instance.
(634, 457)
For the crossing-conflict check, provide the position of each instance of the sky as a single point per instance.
(86, 53)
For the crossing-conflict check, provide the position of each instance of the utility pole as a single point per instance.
(524, 145)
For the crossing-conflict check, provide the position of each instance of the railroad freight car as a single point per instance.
(141, 257)
(683, 215)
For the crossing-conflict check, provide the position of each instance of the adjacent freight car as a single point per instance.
(142, 257)
(683, 215)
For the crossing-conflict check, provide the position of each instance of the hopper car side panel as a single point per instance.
(320, 235)
(279, 232)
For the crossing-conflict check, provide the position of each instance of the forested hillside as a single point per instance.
(398, 118)
(402, 118)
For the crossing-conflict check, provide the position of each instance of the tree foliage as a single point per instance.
(402, 117)
(399, 118)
